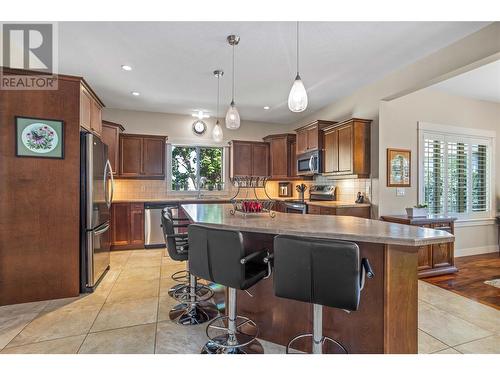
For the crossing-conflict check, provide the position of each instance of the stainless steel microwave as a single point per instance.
(309, 163)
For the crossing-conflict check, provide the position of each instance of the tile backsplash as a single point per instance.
(157, 189)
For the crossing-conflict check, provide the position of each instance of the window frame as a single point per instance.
(470, 136)
(225, 169)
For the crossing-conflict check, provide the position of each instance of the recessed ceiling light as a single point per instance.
(266, 107)
(135, 93)
(127, 67)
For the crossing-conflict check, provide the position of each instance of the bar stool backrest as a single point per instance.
(319, 271)
(174, 250)
(215, 254)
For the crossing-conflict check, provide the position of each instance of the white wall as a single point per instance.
(178, 128)
(398, 129)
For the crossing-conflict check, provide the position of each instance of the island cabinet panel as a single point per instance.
(127, 226)
(142, 156)
(347, 148)
(282, 155)
(249, 158)
(310, 136)
(437, 259)
(110, 136)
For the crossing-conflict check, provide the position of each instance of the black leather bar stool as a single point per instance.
(220, 256)
(322, 272)
(194, 308)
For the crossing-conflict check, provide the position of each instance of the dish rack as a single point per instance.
(251, 204)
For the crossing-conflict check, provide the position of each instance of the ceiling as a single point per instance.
(173, 61)
(482, 83)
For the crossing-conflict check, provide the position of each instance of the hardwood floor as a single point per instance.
(473, 271)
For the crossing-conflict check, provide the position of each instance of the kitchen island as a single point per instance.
(386, 321)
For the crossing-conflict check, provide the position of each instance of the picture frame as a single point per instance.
(398, 167)
(39, 137)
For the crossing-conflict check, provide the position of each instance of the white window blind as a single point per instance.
(455, 173)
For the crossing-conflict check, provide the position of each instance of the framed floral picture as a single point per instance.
(398, 167)
(39, 138)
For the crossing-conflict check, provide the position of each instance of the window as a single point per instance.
(455, 171)
(196, 168)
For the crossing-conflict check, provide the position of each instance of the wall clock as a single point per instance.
(199, 127)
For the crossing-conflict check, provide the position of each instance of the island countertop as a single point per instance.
(320, 226)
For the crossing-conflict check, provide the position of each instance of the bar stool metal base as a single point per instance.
(321, 343)
(219, 346)
(181, 276)
(193, 314)
(181, 292)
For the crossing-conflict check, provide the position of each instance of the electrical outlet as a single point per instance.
(400, 192)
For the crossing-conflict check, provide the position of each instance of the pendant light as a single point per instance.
(297, 99)
(232, 115)
(217, 134)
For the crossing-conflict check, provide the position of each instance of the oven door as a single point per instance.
(295, 208)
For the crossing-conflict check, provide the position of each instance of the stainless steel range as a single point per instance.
(316, 193)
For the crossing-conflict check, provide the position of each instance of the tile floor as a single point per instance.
(129, 314)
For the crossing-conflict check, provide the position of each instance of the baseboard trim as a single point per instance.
(476, 251)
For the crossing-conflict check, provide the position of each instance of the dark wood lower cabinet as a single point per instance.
(363, 212)
(437, 259)
(127, 226)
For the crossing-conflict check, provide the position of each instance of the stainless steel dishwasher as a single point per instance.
(153, 233)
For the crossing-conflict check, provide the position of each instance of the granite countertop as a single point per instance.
(172, 200)
(429, 219)
(320, 226)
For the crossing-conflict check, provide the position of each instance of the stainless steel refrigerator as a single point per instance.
(96, 181)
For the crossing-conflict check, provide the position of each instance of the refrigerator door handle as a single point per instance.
(108, 197)
(112, 183)
(102, 230)
(105, 182)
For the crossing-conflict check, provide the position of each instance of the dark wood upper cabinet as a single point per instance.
(110, 135)
(249, 158)
(347, 148)
(90, 110)
(142, 156)
(282, 155)
(310, 136)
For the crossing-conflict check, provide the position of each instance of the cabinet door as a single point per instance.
(136, 224)
(130, 156)
(109, 135)
(312, 138)
(95, 117)
(441, 255)
(363, 212)
(153, 156)
(293, 160)
(241, 159)
(331, 151)
(424, 258)
(260, 159)
(301, 141)
(279, 151)
(327, 211)
(85, 105)
(313, 210)
(120, 224)
(345, 149)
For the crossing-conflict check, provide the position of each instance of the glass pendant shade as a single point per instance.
(297, 100)
(217, 134)
(232, 117)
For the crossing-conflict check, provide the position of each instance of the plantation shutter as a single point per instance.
(434, 173)
(480, 177)
(457, 176)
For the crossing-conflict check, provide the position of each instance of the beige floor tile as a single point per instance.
(129, 340)
(446, 327)
(126, 313)
(130, 290)
(140, 273)
(448, 351)
(474, 312)
(172, 338)
(165, 285)
(428, 344)
(22, 308)
(11, 326)
(147, 252)
(67, 345)
(146, 261)
(272, 348)
(168, 269)
(61, 318)
(488, 345)
(164, 306)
